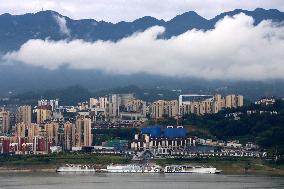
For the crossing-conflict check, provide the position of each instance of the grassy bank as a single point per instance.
(51, 162)
(55, 160)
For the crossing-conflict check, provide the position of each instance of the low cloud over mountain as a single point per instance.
(61, 21)
(235, 49)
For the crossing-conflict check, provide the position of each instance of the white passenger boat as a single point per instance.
(75, 168)
(190, 169)
(133, 168)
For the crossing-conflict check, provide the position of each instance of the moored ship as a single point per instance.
(133, 168)
(76, 168)
(190, 169)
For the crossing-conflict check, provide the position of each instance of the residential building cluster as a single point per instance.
(50, 127)
(194, 104)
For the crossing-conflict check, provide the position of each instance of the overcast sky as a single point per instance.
(117, 10)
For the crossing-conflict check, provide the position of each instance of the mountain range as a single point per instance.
(15, 30)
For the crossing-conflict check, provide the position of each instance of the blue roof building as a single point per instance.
(169, 132)
(152, 131)
(175, 132)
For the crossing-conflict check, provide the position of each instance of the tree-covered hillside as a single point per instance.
(262, 127)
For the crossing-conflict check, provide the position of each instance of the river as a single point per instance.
(41, 180)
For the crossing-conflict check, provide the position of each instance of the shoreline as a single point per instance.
(272, 172)
(50, 163)
(4, 170)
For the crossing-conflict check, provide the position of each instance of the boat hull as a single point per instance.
(132, 169)
(192, 170)
(76, 168)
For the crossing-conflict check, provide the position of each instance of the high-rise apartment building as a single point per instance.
(88, 139)
(216, 107)
(69, 136)
(199, 107)
(207, 104)
(118, 103)
(162, 108)
(157, 109)
(93, 102)
(29, 131)
(83, 132)
(172, 108)
(229, 101)
(24, 114)
(51, 133)
(21, 130)
(134, 106)
(218, 103)
(33, 130)
(43, 113)
(4, 121)
(103, 101)
(78, 133)
(113, 105)
(240, 100)
(233, 101)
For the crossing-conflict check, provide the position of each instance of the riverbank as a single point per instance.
(226, 171)
(21, 170)
(228, 166)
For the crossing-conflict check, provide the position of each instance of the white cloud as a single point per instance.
(235, 49)
(127, 10)
(61, 21)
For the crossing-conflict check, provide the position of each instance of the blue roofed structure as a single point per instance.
(152, 131)
(175, 132)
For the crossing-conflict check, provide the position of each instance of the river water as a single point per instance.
(135, 181)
